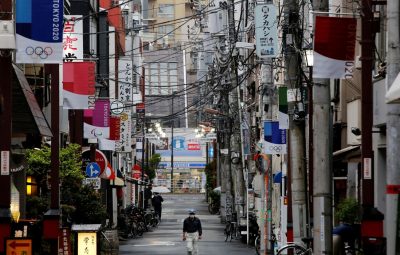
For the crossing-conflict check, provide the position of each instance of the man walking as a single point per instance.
(192, 232)
(157, 203)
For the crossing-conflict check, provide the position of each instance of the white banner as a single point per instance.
(125, 140)
(125, 80)
(73, 38)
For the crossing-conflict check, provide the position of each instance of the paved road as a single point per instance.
(166, 239)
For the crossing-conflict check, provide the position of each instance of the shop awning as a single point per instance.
(393, 94)
(27, 117)
(346, 152)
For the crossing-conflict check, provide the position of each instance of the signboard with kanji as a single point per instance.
(126, 84)
(64, 242)
(125, 140)
(20, 246)
(87, 243)
(266, 23)
(73, 38)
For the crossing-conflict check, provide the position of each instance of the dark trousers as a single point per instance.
(158, 210)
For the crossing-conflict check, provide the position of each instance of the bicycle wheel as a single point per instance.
(257, 245)
(293, 249)
(227, 231)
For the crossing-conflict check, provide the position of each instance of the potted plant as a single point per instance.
(348, 211)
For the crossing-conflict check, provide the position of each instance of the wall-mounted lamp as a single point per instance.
(356, 131)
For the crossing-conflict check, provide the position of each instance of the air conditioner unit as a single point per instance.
(7, 35)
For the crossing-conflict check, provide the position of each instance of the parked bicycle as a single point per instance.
(213, 207)
(231, 230)
(298, 249)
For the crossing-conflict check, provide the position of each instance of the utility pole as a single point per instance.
(172, 143)
(52, 216)
(6, 131)
(393, 126)
(143, 186)
(296, 122)
(232, 102)
(143, 120)
(322, 157)
(367, 54)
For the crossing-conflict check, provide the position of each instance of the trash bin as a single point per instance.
(374, 245)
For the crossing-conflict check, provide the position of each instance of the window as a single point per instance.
(167, 29)
(166, 10)
(161, 78)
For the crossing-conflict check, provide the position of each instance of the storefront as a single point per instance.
(188, 177)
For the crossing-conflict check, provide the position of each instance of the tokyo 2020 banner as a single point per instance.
(39, 31)
(334, 47)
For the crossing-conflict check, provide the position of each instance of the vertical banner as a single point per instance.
(125, 80)
(266, 23)
(101, 113)
(79, 85)
(39, 31)
(334, 47)
(115, 128)
(64, 242)
(274, 138)
(73, 38)
(283, 115)
(125, 141)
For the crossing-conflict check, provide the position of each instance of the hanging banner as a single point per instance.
(125, 141)
(334, 47)
(97, 121)
(92, 132)
(39, 31)
(115, 127)
(125, 80)
(274, 138)
(283, 115)
(79, 85)
(73, 38)
(266, 24)
(101, 113)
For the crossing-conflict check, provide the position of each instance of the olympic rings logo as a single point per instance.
(40, 52)
(275, 148)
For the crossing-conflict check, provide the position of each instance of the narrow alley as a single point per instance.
(167, 237)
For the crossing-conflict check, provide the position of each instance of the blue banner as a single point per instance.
(274, 138)
(39, 31)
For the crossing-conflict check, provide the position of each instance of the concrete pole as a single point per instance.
(267, 83)
(322, 175)
(393, 127)
(172, 144)
(296, 127)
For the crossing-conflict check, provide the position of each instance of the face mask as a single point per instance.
(191, 216)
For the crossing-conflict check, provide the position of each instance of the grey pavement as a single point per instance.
(166, 239)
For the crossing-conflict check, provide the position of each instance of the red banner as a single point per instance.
(78, 85)
(334, 47)
(115, 126)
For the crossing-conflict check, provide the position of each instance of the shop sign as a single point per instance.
(19, 246)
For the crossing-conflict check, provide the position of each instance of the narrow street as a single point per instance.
(166, 239)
